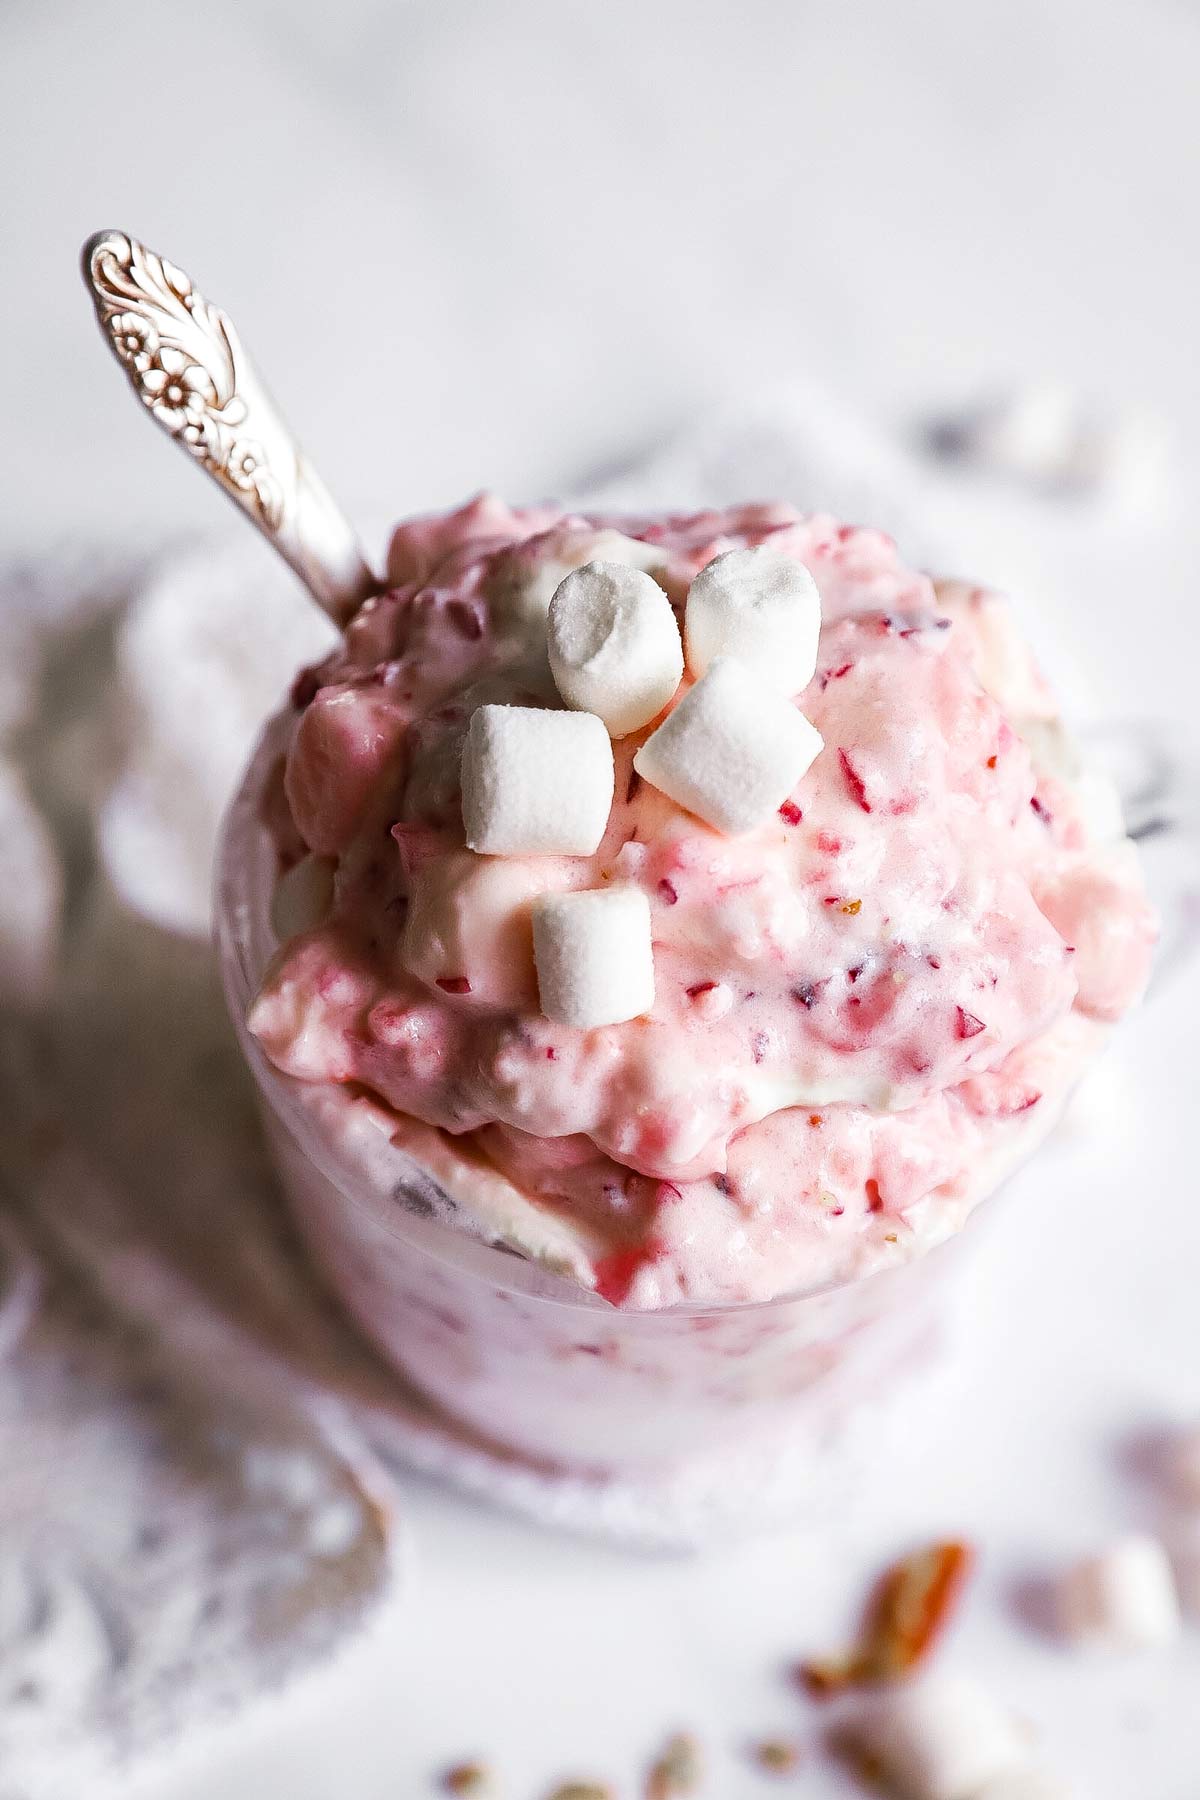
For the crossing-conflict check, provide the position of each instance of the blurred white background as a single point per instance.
(503, 242)
(474, 243)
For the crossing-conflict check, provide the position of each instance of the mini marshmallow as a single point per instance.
(535, 783)
(523, 600)
(731, 751)
(1049, 437)
(302, 897)
(940, 1739)
(761, 607)
(614, 645)
(595, 962)
(1124, 1597)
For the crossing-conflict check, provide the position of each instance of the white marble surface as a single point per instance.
(505, 244)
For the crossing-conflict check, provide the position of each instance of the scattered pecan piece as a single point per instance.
(466, 1778)
(676, 1771)
(778, 1756)
(911, 1606)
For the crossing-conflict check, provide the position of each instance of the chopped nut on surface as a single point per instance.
(466, 1778)
(676, 1770)
(910, 1608)
(582, 1790)
(778, 1756)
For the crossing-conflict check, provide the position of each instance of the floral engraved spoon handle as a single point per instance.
(186, 365)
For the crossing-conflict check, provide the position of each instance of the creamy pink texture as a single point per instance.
(865, 1009)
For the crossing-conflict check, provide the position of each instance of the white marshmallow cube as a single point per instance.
(522, 604)
(1124, 1597)
(941, 1739)
(761, 607)
(535, 783)
(731, 751)
(302, 897)
(595, 961)
(614, 645)
(1033, 433)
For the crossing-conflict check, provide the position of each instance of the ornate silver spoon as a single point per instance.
(186, 365)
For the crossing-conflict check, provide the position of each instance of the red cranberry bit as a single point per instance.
(635, 782)
(304, 688)
(836, 674)
(935, 962)
(854, 781)
(551, 1053)
(615, 1273)
(1041, 809)
(465, 619)
(722, 1184)
(992, 761)
(667, 892)
(454, 984)
(874, 1197)
(966, 1024)
(828, 844)
(815, 1120)
(790, 813)
(853, 974)
(700, 987)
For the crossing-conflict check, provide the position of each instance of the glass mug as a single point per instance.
(526, 1359)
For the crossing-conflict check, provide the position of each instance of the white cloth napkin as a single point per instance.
(195, 1497)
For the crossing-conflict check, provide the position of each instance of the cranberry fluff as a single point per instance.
(815, 965)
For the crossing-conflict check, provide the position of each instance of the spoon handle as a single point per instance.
(186, 365)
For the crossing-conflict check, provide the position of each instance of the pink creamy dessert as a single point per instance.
(866, 1009)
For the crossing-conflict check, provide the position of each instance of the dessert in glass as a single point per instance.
(652, 938)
